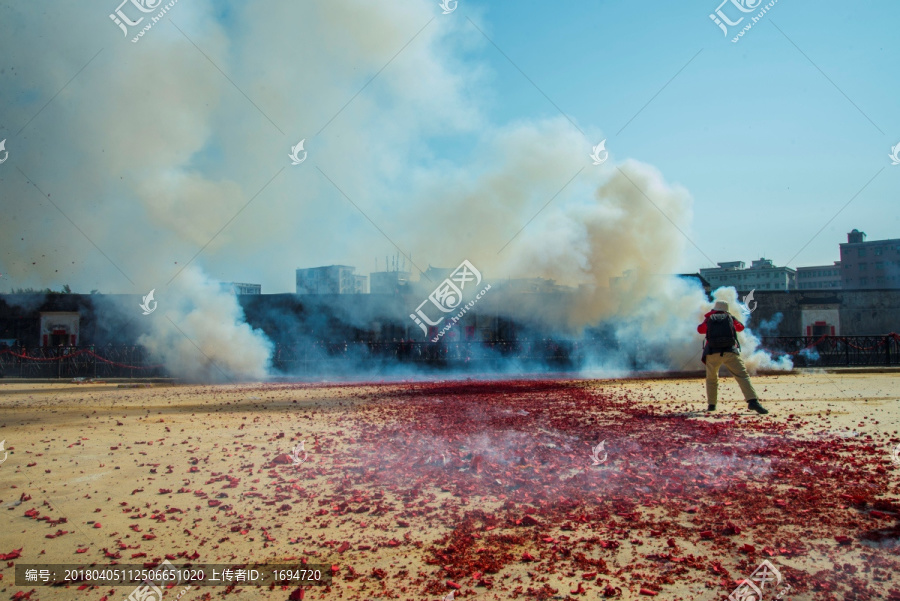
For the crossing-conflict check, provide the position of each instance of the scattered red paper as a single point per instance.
(707, 486)
(297, 595)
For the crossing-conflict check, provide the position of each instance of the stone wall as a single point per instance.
(860, 312)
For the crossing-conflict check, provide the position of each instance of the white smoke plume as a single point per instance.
(174, 151)
(201, 335)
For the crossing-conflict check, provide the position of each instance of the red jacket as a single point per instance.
(701, 329)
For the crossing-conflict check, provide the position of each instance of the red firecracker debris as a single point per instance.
(297, 595)
(530, 521)
(612, 591)
(493, 468)
(843, 540)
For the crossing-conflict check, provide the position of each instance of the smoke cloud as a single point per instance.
(174, 151)
(201, 335)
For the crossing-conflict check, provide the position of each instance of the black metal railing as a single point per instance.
(836, 351)
(78, 362)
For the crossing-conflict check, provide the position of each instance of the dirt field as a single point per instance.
(489, 489)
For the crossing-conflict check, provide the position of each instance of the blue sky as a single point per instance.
(754, 130)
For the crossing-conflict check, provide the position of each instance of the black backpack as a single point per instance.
(720, 333)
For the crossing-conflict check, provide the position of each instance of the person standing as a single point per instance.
(722, 348)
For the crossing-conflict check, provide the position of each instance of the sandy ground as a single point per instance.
(136, 471)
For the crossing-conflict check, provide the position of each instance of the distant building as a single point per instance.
(60, 328)
(761, 275)
(820, 277)
(869, 265)
(462, 275)
(331, 279)
(239, 288)
(388, 282)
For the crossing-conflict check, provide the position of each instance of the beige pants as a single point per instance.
(735, 365)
